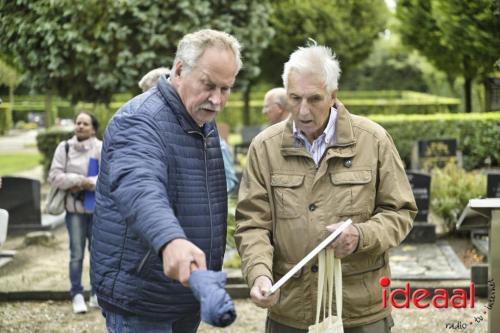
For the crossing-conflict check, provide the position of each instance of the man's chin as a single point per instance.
(206, 118)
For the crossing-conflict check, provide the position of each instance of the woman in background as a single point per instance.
(69, 171)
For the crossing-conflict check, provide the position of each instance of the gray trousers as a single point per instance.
(381, 326)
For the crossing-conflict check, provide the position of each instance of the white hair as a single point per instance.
(149, 80)
(192, 46)
(278, 95)
(314, 59)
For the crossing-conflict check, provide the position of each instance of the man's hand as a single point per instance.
(88, 185)
(259, 291)
(178, 256)
(75, 189)
(347, 242)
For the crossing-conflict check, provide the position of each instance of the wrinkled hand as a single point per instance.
(178, 256)
(347, 242)
(75, 189)
(259, 291)
(87, 185)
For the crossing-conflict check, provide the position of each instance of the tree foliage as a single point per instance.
(389, 67)
(88, 50)
(349, 27)
(458, 37)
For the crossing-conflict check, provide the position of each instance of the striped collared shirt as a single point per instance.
(318, 146)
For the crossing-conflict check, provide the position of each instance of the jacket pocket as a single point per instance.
(291, 301)
(287, 195)
(353, 191)
(362, 291)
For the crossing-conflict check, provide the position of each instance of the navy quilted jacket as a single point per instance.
(161, 178)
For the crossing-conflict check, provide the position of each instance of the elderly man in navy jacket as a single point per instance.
(161, 201)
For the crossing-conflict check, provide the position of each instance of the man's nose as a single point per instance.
(216, 96)
(303, 108)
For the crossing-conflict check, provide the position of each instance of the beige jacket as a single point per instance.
(285, 204)
(76, 169)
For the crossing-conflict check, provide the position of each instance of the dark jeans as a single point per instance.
(116, 323)
(381, 326)
(80, 230)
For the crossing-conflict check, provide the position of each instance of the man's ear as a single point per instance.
(178, 69)
(334, 96)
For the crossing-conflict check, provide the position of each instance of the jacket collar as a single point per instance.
(179, 110)
(345, 140)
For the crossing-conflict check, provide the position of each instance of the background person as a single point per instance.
(151, 78)
(227, 155)
(161, 201)
(71, 175)
(304, 176)
(275, 105)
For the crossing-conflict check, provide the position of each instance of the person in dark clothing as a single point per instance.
(161, 201)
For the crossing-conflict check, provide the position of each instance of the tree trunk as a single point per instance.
(468, 94)
(8, 114)
(48, 110)
(246, 105)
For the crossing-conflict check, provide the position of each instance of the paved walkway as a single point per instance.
(18, 141)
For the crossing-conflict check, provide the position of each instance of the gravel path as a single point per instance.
(56, 317)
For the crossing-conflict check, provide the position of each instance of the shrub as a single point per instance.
(451, 189)
(478, 134)
(47, 142)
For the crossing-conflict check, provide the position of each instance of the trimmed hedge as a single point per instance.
(47, 142)
(478, 134)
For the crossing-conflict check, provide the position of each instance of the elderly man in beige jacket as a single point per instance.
(304, 176)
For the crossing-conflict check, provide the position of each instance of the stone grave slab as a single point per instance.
(435, 261)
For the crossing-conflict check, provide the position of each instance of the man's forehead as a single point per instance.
(217, 78)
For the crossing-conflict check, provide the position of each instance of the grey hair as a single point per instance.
(149, 80)
(315, 59)
(192, 46)
(279, 97)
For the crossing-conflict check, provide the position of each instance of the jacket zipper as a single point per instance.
(208, 193)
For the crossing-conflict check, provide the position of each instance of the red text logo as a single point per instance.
(419, 297)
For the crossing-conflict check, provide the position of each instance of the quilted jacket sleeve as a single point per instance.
(138, 179)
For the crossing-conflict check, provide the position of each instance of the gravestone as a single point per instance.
(492, 85)
(493, 187)
(421, 186)
(21, 198)
(428, 154)
(422, 231)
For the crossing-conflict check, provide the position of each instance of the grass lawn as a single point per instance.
(12, 163)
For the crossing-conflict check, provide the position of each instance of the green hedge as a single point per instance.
(47, 142)
(478, 134)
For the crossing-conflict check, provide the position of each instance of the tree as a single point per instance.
(458, 37)
(88, 50)
(389, 67)
(349, 27)
(11, 78)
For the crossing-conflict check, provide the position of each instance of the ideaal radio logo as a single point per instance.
(440, 299)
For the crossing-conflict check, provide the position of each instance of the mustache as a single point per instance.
(210, 106)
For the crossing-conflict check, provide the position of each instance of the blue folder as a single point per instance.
(89, 196)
